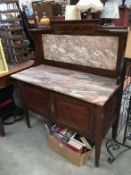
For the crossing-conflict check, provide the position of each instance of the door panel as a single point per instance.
(36, 98)
(73, 113)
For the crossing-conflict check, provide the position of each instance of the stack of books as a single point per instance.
(72, 140)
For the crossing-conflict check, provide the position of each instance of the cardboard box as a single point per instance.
(62, 149)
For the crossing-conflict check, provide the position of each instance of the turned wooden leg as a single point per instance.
(2, 131)
(98, 134)
(27, 117)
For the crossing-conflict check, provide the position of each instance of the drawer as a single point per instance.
(36, 98)
(73, 113)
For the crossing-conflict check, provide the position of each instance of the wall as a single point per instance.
(128, 2)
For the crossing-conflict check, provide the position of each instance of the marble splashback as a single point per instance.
(92, 51)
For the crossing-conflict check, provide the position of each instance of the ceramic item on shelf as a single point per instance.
(36, 18)
(92, 5)
(45, 21)
(72, 13)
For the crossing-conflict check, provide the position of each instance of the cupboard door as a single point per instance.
(73, 113)
(36, 98)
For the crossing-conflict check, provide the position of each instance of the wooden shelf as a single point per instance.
(15, 37)
(10, 20)
(5, 79)
(16, 46)
(10, 11)
(18, 67)
(9, 1)
(11, 28)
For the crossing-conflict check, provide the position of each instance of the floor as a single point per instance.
(25, 151)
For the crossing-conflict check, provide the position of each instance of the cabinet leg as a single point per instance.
(115, 125)
(27, 117)
(114, 129)
(2, 131)
(97, 152)
(98, 134)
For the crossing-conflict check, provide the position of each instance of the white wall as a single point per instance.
(128, 2)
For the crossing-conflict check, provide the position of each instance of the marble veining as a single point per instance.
(93, 51)
(88, 87)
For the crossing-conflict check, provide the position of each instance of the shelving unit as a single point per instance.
(52, 9)
(11, 31)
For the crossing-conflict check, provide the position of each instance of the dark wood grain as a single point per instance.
(73, 113)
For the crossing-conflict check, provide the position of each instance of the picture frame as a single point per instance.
(3, 63)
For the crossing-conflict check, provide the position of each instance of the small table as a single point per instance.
(5, 81)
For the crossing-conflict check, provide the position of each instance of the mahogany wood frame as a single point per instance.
(95, 120)
(89, 28)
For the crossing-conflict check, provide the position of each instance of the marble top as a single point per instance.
(87, 87)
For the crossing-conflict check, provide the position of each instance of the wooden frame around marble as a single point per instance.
(88, 28)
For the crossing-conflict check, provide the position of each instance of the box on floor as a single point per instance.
(62, 149)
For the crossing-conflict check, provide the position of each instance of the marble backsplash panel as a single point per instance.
(92, 51)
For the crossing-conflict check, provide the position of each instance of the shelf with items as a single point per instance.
(51, 8)
(12, 32)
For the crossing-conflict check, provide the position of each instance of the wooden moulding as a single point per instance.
(3, 64)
